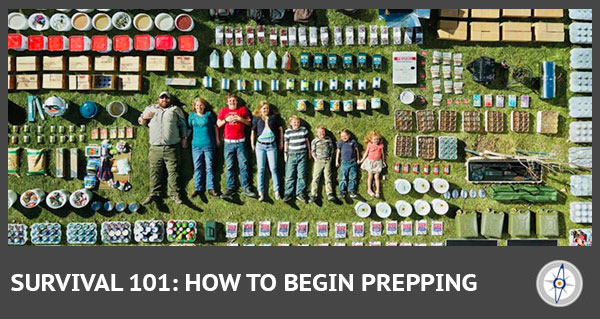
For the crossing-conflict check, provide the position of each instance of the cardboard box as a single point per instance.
(454, 13)
(60, 162)
(80, 63)
(452, 30)
(11, 64)
(516, 32)
(28, 82)
(74, 167)
(516, 13)
(485, 31)
(180, 82)
(548, 13)
(130, 82)
(53, 63)
(183, 64)
(80, 82)
(11, 82)
(130, 64)
(54, 81)
(105, 63)
(28, 64)
(485, 13)
(157, 63)
(549, 32)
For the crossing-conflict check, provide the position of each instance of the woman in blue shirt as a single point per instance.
(205, 139)
(266, 141)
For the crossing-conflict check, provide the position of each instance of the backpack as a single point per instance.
(303, 15)
(221, 13)
(256, 14)
(277, 15)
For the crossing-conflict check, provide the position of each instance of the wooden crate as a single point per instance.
(130, 82)
(11, 64)
(105, 63)
(516, 13)
(28, 64)
(80, 82)
(454, 13)
(130, 64)
(452, 30)
(155, 63)
(27, 82)
(11, 82)
(183, 64)
(54, 81)
(80, 63)
(53, 63)
(548, 13)
(180, 82)
(485, 13)
(485, 31)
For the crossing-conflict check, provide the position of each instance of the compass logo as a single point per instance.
(559, 283)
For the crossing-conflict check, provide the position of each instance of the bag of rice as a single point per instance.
(13, 161)
(36, 162)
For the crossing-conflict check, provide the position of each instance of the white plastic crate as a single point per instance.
(581, 185)
(580, 33)
(580, 157)
(581, 82)
(581, 58)
(580, 132)
(448, 148)
(581, 212)
(580, 14)
(580, 107)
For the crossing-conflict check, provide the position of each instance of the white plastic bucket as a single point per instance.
(164, 22)
(81, 198)
(422, 207)
(122, 21)
(32, 198)
(383, 210)
(362, 209)
(440, 207)
(38, 22)
(143, 22)
(17, 21)
(116, 109)
(81, 22)
(421, 185)
(178, 21)
(440, 185)
(407, 97)
(57, 199)
(403, 208)
(61, 22)
(402, 186)
(12, 198)
(102, 22)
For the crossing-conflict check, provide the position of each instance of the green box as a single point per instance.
(210, 231)
(547, 224)
(519, 224)
(492, 223)
(466, 225)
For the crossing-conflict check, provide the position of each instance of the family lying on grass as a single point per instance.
(170, 130)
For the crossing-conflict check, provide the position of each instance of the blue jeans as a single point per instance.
(295, 173)
(203, 168)
(237, 151)
(264, 153)
(348, 181)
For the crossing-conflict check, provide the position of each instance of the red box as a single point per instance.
(79, 43)
(122, 43)
(187, 43)
(101, 43)
(57, 43)
(143, 42)
(17, 42)
(165, 42)
(37, 43)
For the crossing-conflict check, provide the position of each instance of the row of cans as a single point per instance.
(416, 169)
(16, 129)
(51, 139)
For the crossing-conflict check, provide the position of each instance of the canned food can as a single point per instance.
(61, 129)
(14, 139)
(25, 128)
(40, 129)
(15, 129)
(40, 139)
(436, 170)
(426, 169)
(406, 168)
(82, 128)
(397, 168)
(72, 139)
(81, 138)
(447, 170)
(26, 139)
(71, 128)
(52, 129)
(52, 139)
(415, 169)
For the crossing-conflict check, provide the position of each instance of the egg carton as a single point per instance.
(82, 233)
(580, 107)
(581, 82)
(494, 121)
(581, 185)
(426, 147)
(581, 59)
(182, 231)
(46, 234)
(580, 33)
(149, 231)
(581, 212)
(580, 157)
(116, 232)
(580, 14)
(17, 234)
(448, 148)
(447, 120)
(580, 132)
(471, 121)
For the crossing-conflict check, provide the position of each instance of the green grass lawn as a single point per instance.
(517, 55)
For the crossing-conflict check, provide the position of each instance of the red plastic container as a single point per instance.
(122, 43)
(143, 42)
(165, 42)
(187, 43)
(58, 43)
(37, 43)
(79, 43)
(101, 43)
(17, 42)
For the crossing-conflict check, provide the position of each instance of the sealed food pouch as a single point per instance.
(13, 161)
(36, 162)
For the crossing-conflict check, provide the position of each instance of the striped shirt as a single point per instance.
(296, 140)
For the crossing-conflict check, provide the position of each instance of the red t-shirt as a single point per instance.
(234, 131)
(375, 151)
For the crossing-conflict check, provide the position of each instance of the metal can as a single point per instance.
(71, 128)
(82, 128)
(40, 129)
(14, 139)
(52, 129)
(447, 170)
(81, 138)
(63, 139)
(426, 169)
(61, 129)
(40, 139)
(72, 139)
(406, 168)
(436, 170)
(15, 129)
(415, 169)
(397, 168)
(52, 139)
(26, 139)
(25, 128)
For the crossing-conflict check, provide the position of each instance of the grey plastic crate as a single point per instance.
(581, 212)
(580, 33)
(580, 14)
(448, 148)
(580, 157)
(580, 107)
(581, 82)
(580, 132)
(581, 185)
(581, 58)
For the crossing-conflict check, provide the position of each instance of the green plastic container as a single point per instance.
(519, 224)
(492, 223)
(210, 231)
(466, 225)
(547, 224)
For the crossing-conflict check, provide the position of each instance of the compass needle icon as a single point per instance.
(553, 281)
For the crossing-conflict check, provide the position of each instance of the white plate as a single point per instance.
(362, 209)
(422, 207)
(440, 207)
(421, 185)
(440, 185)
(383, 210)
(404, 209)
(402, 186)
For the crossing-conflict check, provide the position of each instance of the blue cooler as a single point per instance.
(548, 80)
